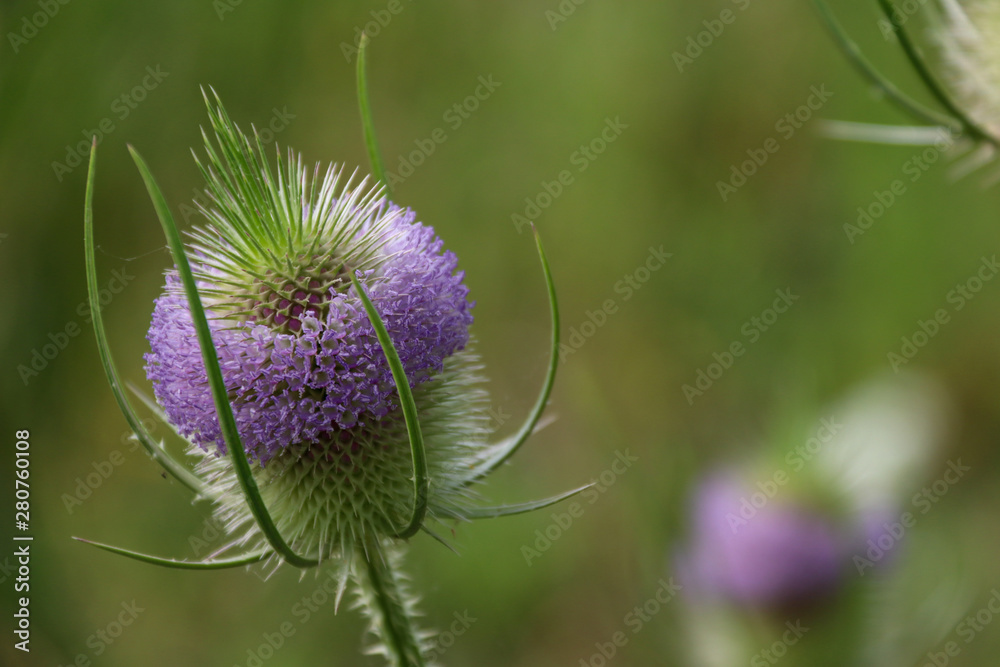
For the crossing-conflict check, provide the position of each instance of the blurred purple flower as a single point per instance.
(783, 555)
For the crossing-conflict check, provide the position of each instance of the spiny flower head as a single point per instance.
(312, 346)
(969, 36)
(311, 390)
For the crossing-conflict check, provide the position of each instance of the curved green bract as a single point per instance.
(176, 469)
(367, 124)
(216, 564)
(227, 421)
(853, 53)
(499, 453)
(421, 481)
(935, 88)
(474, 513)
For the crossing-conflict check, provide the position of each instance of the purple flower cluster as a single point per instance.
(329, 374)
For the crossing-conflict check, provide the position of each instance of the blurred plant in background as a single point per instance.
(817, 530)
(962, 76)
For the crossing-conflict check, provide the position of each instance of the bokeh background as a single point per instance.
(620, 390)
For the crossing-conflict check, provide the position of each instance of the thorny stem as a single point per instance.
(389, 606)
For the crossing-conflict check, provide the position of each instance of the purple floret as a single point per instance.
(331, 374)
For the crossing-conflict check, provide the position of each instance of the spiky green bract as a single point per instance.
(411, 417)
(155, 449)
(217, 387)
(212, 564)
(496, 455)
(367, 124)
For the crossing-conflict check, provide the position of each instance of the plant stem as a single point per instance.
(385, 599)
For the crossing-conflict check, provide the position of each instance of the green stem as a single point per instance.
(389, 606)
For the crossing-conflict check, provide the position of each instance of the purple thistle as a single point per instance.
(303, 364)
(312, 393)
(316, 303)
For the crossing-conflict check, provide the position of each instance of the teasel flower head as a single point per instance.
(312, 346)
(958, 64)
(311, 391)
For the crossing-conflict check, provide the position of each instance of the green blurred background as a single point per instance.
(655, 185)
